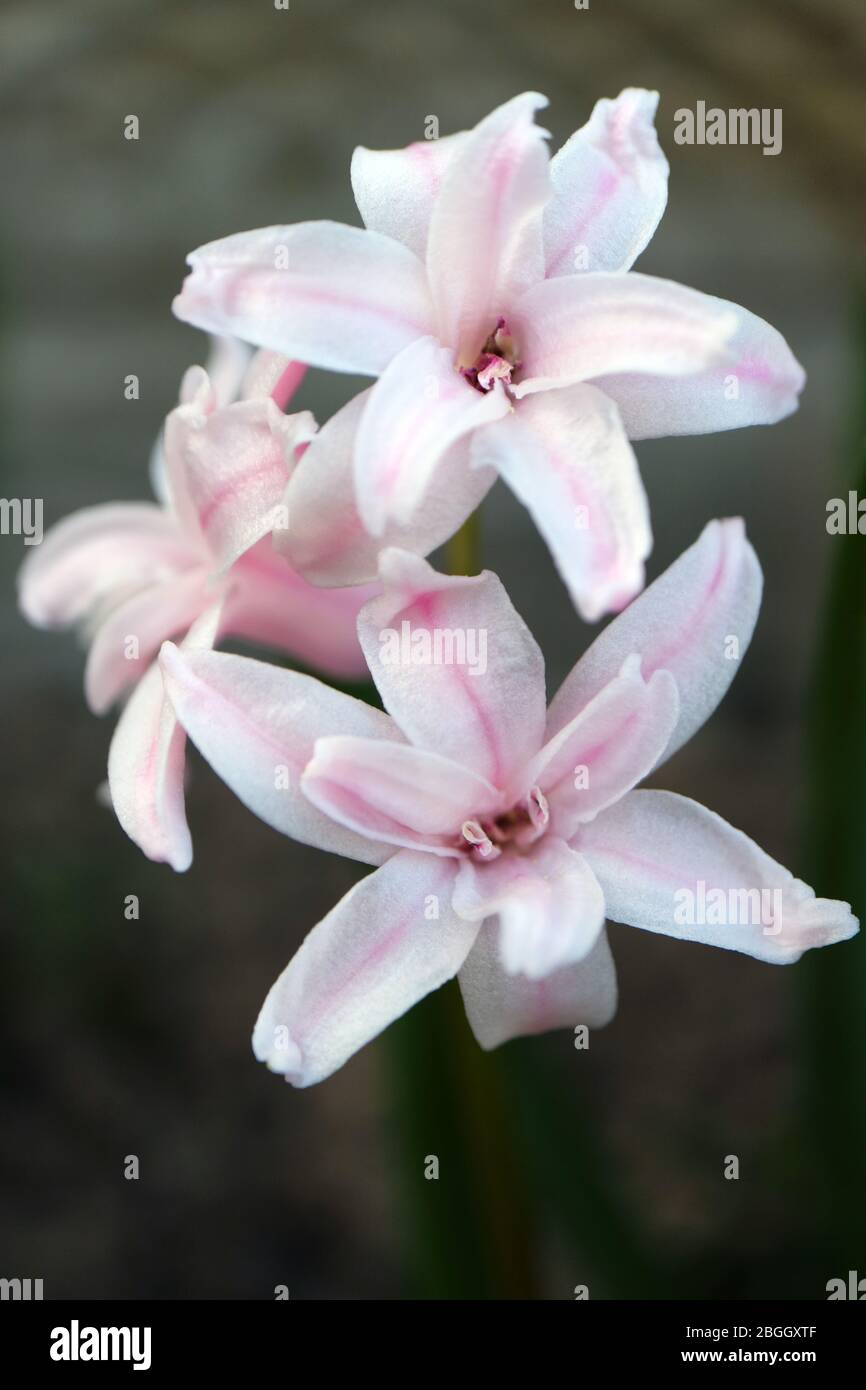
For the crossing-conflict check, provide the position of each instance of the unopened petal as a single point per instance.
(236, 464)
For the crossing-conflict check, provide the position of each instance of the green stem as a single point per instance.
(580, 1183)
(470, 1226)
(832, 983)
(464, 549)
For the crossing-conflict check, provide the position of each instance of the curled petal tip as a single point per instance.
(403, 570)
(824, 922)
(279, 1051)
(196, 389)
(643, 99)
(189, 297)
(536, 101)
(169, 656)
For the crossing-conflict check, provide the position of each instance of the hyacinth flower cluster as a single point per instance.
(491, 295)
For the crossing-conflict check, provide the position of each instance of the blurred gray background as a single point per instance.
(121, 1037)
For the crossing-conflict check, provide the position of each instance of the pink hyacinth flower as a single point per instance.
(133, 574)
(505, 833)
(488, 296)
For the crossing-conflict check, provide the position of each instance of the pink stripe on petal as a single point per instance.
(585, 327)
(146, 761)
(610, 746)
(234, 465)
(484, 666)
(332, 296)
(326, 539)
(272, 374)
(393, 792)
(420, 407)
(695, 621)
(375, 955)
(395, 189)
(485, 243)
(97, 555)
(565, 455)
(610, 184)
(272, 605)
(668, 865)
(129, 636)
(756, 381)
(257, 724)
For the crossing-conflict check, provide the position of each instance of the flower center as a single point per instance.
(520, 827)
(495, 362)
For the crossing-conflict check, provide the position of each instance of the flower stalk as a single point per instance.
(832, 987)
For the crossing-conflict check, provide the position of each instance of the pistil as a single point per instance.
(496, 361)
(518, 828)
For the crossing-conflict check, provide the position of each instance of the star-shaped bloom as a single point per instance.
(201, 562)
(488, 296)
(505, 833)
